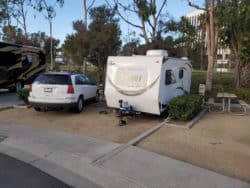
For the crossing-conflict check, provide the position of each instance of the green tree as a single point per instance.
(16, 35)
(5, 18)
(19, 11)
(104, 34)
(149, 14)
(76, 45)
(98, 42)
(186, 34)
(234, 17)
(129, 48)
(47, 8)
(211, 24)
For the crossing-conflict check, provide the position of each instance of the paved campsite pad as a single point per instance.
(219, 142)
(8, 99)
(88, 123)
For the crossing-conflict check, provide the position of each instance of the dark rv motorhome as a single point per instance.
(19, 65)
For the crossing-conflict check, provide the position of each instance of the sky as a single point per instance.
(73, 10)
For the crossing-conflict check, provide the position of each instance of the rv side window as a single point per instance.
(29, 58)
(181, 73)
(169, 77)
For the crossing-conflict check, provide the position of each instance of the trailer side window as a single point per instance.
(181, 73)
(169, 77)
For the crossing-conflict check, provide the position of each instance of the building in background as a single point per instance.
(59, 59)
(222, 59)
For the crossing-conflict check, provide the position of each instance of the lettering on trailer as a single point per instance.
(132, 78)
(133, 93)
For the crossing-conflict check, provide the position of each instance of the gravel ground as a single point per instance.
(219, 142)
(89, 123)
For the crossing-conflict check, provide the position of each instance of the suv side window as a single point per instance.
(78, 80)
(84, 79)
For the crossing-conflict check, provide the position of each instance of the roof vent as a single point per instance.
(184, 58)
(157, 53)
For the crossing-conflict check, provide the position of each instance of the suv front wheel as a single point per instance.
(79, 105)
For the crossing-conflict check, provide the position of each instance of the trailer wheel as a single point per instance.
(19, 85)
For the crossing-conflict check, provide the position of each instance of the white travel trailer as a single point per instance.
(147, 83)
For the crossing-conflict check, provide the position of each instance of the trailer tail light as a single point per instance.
(70, 89)
(30, 87)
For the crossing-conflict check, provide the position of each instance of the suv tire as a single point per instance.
(37, 109)
(79, 105)
(97, 97)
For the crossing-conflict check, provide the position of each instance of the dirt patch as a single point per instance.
(219, 142)
(88, 123)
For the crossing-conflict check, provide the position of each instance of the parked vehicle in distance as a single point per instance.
(147, 83)
(60, 90)
(19, 65)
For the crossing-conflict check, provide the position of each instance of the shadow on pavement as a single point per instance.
(14, 173)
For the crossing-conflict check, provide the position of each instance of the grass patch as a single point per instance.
(222, 82)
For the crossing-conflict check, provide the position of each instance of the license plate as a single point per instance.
(48, 90)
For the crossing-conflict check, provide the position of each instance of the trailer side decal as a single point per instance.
(133, 93)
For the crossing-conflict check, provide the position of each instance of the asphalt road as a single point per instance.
(8, 98)
(16, 174)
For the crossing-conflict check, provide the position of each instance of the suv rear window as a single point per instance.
(53, 79)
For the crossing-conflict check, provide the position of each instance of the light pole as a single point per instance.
(51, 44)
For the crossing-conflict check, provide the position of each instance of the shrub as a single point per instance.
(243, 93)
(222, 82)
(23, 94)
(185, 107)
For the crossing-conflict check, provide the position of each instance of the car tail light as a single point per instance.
(70, 89)
(30, 88)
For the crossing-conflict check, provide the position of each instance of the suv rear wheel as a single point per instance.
(79, 105)
(37, 109)
(97, 96)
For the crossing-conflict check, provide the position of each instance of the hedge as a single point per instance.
(243, 93)
(23, 94)
(185, 107)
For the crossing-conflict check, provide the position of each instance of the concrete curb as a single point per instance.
(191, 123)
(2, 108)
(64, 175)
(144, 135)
(102, 159)
(21, 106)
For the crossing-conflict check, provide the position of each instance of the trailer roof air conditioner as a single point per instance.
(157, 53)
